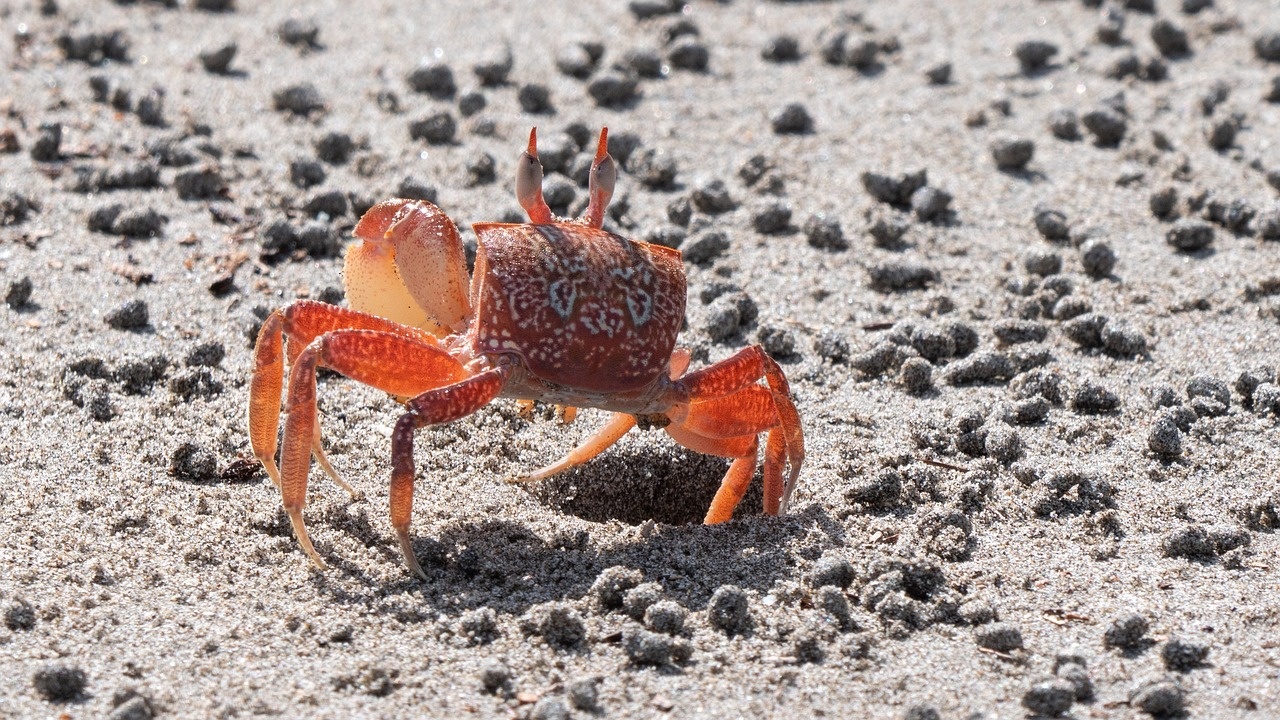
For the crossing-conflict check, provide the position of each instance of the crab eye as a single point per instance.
(604, 175)
(528, 179)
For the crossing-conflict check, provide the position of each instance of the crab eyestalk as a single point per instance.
(529, 183)
(604, 173)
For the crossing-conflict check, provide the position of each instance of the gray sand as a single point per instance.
(957, 539)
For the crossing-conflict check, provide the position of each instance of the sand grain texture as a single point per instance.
(1038, 381)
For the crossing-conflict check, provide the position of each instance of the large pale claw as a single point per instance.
(410, 267)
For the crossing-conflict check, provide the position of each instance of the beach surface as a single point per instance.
(1020, 262)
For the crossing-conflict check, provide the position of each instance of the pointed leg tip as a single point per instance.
(300, 532)
(273, 473)
(314, 556)
(323, 459)
(410, 559)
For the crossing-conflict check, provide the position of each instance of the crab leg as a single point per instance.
(610, 433)
(306, 320)
(391, 362)
(566, 413)
(734, 485)
(317, 452)
(726, 402)
(301, 322)
(264, 394)
(732, 488)
(433, 407)
(736, 480)
(720, 447)
(745, 413)
(748, 411)
(776, 493)
(603, 438)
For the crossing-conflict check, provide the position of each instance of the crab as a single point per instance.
(557, 310)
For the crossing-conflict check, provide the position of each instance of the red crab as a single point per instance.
(558, 310)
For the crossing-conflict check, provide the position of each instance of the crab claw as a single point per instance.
(410, 267)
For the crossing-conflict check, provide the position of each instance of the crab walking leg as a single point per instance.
(264, 394)
(301, 322)
(565, 413)
(753, 409)
(732, 488)
(749, 411)
(306, 320)
(720, 447)
(392, 363)
(612, 432)
(317, 451)
(775, 456)
(739, 416)
(433, 407)
(791, 437)
(736, 480)
(743, 369)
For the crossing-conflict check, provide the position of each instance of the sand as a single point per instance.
(1041, 471)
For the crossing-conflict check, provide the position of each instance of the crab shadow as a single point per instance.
(507, 566)
(1028, 176)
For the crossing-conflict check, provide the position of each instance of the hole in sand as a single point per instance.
(671, 485)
